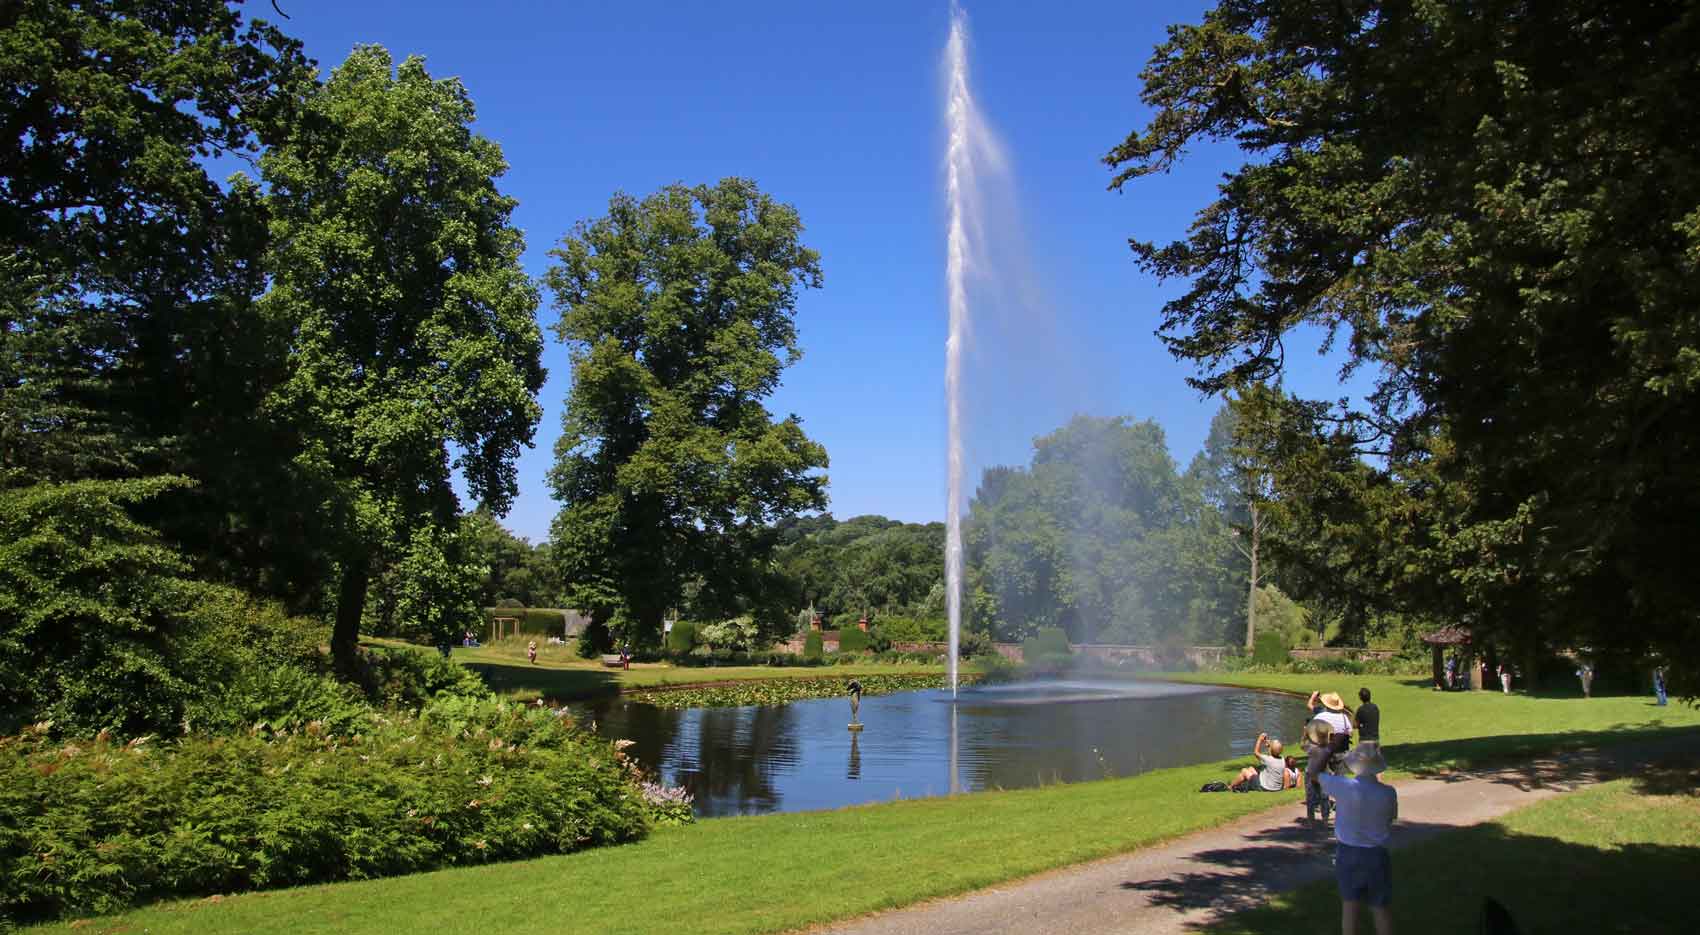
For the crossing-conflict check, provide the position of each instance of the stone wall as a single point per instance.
(1342, 652)
(1151, 657)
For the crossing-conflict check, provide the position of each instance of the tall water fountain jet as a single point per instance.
(959, 168)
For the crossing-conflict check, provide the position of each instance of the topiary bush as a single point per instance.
(853, 640)
(682, 638)
(1269, 648)
(97, 826)
(814, 647)
(1047, 649)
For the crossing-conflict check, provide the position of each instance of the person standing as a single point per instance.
(1505, 678)
(531, 652)
(1451, 672)
(1659, 684)
(1328, 733)
(1586, 674)
(1369, 719)
(1365, 811)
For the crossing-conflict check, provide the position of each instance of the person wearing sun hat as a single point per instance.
(1329, 732)
(1365, 809)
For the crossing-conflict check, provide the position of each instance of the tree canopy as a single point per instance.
(679, 311)
(415, 350)
(1492, 208)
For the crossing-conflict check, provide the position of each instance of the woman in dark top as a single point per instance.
(1369, 719)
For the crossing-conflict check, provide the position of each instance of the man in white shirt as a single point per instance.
(1364, 811)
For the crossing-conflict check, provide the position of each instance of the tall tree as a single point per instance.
(679, 311)
(415, 347)
(1512, 248)
(128, 341)
(1237, 484)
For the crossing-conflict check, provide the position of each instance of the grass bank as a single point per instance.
(1617, 857)
(778, 872)
(560, 675)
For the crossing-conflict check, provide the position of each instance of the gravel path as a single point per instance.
(1187, 883)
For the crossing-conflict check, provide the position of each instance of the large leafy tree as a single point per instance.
(414, 347)
(128, 342)
(679, 310)
(1493, 206)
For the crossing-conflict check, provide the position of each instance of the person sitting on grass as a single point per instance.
(1365, 809)
(1272, 776)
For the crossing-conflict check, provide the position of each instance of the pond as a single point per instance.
(801, 756)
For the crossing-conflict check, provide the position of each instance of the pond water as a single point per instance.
(801, 756)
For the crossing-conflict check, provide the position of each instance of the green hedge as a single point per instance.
(549, 621)
(914, 629)
(1269, 648)
(95, 826)
(852, 640)
(682, 638)
(814, 646)
(1047, 647)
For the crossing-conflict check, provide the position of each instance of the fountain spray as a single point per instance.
(959, 166)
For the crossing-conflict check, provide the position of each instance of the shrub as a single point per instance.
(407, 678)
(845, 659)
(814, 647)
(877, 640)
(595, 640)
(734, 634)
(1048, 646)
(1269, 648)
(467, 781)
(913, 629)
(973, 643)
(682, 638)
(852, 640)
(546, 621)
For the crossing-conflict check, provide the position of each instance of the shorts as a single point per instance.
(1365, 874)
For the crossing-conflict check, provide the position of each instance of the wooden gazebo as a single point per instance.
(1458, 637)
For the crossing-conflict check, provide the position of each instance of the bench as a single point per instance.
(613, 662)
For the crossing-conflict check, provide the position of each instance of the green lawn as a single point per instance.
(1424, 730)
(777, 872)
(1618, 857)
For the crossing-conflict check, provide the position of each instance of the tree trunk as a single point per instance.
(350, 605)
(1251, 588)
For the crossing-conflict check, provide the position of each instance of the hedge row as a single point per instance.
(97, 826)
(545, 620)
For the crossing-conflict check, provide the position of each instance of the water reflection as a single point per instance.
(799, 756)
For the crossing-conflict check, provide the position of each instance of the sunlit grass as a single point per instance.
(1618, 857)
(778, 872)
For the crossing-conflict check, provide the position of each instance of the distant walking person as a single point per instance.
(531, 652)
(1369, 719)
(1505, 677)
(1659, 685)
(1451, 672)
(1586, 674)
(1365, 809)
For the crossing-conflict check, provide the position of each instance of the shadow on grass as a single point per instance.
(548, 683)
(1269, 862)
(1548, 884)
(1524, 760)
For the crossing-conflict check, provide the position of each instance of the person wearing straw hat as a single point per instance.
(1328, 734)
(1365, 809)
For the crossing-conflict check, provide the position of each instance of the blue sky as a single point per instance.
(837, 109)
